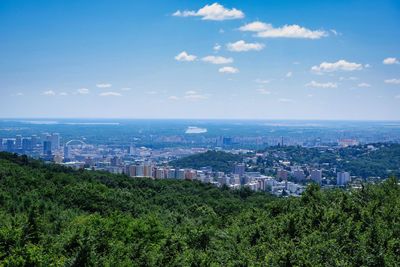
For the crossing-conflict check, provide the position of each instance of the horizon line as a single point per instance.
(210, 119)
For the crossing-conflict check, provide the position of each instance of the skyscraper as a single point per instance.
(316, 176)
(55, 141)
(47, 148)
(342, 178)
(67, 153)
(26, 144)
(34, 140)
(239, 169)
(10, 145)
(18, 141)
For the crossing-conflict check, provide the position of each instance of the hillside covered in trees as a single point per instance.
(54, 216)
(218, 160)
(372, 160)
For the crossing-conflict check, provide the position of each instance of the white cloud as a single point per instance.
(110, 94)
(334, 32)
(172, 97)
(261, 81)
(63, 93)
(390, 61)
(363, 85)
(265, 30)
(242, 46)
(263, 91)
(231, 70)
(194, 95)
(151, 92)
(341, 65)
(19, 94)
(83, 91)
(393, 81)
(212, 12)
(256, 26)
(126, 89)
(321, 85)
(217, 60)
(49, 92)
(103, 85)
(184, 56)
(289, 74)
(285, 100)
(217, 47)
(348, 78)
(292, 31)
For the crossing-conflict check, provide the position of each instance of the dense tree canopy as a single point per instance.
(54, 216)
(383, 160)
(218, 160)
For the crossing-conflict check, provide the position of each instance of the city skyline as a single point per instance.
(210, 60)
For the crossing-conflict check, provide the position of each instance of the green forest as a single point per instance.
(217, 160)
(54, 216)
(383, 161)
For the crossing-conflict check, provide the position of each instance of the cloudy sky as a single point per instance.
(200, 59)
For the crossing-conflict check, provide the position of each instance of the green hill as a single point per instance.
(218, 160)
(54, 216)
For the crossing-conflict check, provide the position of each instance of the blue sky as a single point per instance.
(200, 59)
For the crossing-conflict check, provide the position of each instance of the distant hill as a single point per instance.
(218, 160)
(54, 216)
(383, 160)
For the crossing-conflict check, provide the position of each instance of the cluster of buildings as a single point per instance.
(45, 145)
(145, 162)
(315, 175)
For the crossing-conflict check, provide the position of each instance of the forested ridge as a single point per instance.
(217, 160)
(55, 216)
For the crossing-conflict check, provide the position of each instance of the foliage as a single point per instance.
(54, 216)
(381, 161)
(218, 160)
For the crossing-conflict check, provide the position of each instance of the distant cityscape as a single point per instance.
(284, 178)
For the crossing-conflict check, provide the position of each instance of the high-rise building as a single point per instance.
(67, 153)
(10, 145)
(159, 173)
(1, 144)
(18, 141)
(239, 169)
(132, 171)
(316, 176)
(132, 150)
(171, 174)
(342, 178)
(235, 179)
(26, 144)
(115, 161)
(140, 170)
(35, 140)
(180, 174)
(55, 141)
(147, 170)
(47, 148)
